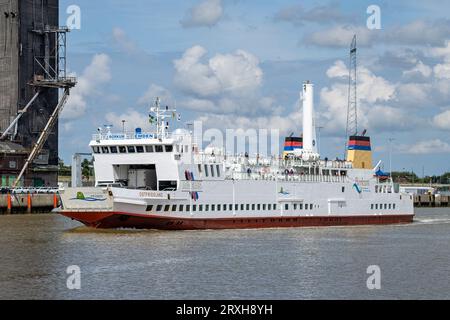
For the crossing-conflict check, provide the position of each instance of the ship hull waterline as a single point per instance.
(116, 220)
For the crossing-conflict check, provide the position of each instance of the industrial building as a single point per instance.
(32, 59)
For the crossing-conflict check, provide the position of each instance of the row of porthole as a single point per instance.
(386, 206)
(213, 207)
(229, 207)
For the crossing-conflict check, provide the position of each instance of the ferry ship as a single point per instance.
(165, 180)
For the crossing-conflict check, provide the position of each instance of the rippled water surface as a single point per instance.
(310, 263)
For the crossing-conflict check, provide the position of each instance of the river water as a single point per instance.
(309, 263)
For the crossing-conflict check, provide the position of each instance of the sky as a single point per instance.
(240, 64)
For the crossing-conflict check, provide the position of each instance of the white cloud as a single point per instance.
(341, 36)
(154, 91)
(93, 77)
(205, 14)
(442, 120)
(426, 147)
(421, 70)
(236, 74)
(133, 119)
(123, 41)
(372, 90)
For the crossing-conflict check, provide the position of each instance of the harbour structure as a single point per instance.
(32, 72)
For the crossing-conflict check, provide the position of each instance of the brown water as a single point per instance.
(312, 263)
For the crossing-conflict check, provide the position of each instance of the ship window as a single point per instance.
(264, 207)
(390, 206)
(393, 206)
(159, 208)
(150, 208)
(113, 149)
(181, 208)
(105, 150)
(159, 149)
(269, 207)
(200, 169)
(301, 206)
(122, 149)
(259, 207)
(200, 208)
(212, 171)
(174, 207)
(169, 148)
(96, 149)
(274, 207)
(295, 206)
(206, 171)
(311, 206)
(248, 207)
(131, 149)
(219, 207)
(194, 207)
(218, 170)
(213, 207)
(236, 207)
(253, 207)
(167, 208)
(149, 149)
(343, 189)
(207, 208)
(242, 207)
(140, 149)
(376, 207)
(286, 207)
(372, 206)
(385, 206)
(188, 208)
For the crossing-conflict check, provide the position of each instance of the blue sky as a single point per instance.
(240, 64)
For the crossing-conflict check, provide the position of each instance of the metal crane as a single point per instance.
(352, 111)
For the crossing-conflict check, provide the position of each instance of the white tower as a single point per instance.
(309, 123)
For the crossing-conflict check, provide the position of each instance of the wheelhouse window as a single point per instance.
(140, 149)
(149, 149)
(169, 148)
(131, 149)
(122, 149)
(218, 171)
(206, 171)
(212, 171)
(113, 150)
(105, 150)
(96, 150)
(159, 149)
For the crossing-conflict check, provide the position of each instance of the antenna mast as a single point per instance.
(352, 112)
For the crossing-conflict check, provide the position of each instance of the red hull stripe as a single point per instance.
(112, 220)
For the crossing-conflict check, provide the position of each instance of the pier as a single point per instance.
(431, 201)
(28, 203)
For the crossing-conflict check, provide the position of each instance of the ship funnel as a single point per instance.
(310, 150)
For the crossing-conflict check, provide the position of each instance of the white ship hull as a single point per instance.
(240, 204)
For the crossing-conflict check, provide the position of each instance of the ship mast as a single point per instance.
(160, 116)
